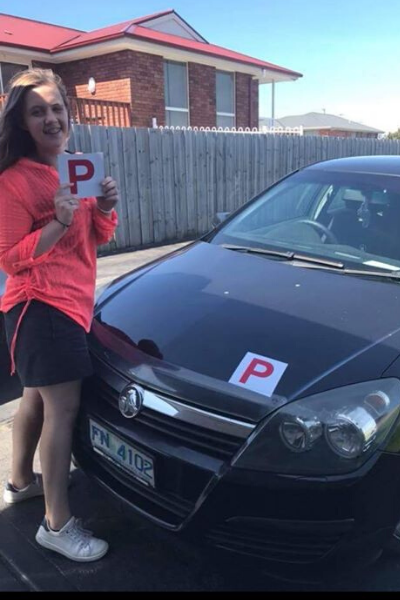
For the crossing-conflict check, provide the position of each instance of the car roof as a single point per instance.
(385, 165)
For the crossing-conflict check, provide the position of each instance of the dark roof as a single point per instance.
(387, 165)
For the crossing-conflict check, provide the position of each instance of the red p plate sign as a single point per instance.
(79, 169)
(258, 373)
(84, 172)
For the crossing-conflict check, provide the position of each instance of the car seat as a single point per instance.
(345, 222)
(383, 235)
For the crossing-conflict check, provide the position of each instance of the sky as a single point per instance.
(347, 50)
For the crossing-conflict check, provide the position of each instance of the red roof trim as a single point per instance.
(23, 47)
(210, 49)
(165, 39)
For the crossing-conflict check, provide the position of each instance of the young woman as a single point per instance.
(48, 241)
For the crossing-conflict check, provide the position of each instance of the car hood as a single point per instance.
(184, 323)
(3, 278)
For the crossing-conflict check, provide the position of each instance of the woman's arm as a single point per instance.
(65, 205)
(20, 247)
(105, 218)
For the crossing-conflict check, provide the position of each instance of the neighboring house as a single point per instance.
(323, 124)
(156, 69)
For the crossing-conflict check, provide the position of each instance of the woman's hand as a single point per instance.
(65, 204)
(110, 194)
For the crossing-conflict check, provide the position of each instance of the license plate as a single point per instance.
(124, 455)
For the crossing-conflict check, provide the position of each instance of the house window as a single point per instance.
(8, 70)
(176, 94)
(225, 83)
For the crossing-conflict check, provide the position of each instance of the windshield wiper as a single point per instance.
(365, 272)
(333, 264)
(251, 250)
(288, 255)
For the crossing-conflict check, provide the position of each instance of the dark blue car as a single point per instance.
(247, 387)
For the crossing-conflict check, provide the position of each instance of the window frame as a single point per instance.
(178, 109)
(8, 62)
(225, 114)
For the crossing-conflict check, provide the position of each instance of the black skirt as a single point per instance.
(51, 347)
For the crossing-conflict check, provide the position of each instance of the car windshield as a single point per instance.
(353, 218)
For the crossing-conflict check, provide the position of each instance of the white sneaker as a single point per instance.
(12, 495)
(73, 541)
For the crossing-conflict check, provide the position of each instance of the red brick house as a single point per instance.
(151, 70)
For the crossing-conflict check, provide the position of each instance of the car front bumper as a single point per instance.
(295, 525)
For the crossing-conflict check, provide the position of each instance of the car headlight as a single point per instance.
(326, 434)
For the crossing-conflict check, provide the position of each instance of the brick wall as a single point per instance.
(346, 134)
(202, 95)
(125, 76)
(246, 101)
(147, 89)
(111, 72)
(138, 78)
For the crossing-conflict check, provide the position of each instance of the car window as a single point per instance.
(290, 201)
(351, 216)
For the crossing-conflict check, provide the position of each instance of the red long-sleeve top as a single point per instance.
(65, 275)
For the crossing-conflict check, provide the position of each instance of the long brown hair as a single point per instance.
(16, 142)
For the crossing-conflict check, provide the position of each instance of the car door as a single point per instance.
(10, 387)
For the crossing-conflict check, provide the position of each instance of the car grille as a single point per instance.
(286, 544)
(212, 443)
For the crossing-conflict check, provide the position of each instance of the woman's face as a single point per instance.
(45, 117)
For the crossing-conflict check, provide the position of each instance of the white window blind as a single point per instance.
(176, 94)
(225, 89)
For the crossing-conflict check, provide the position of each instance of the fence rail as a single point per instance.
(173, 182)
(89, 111)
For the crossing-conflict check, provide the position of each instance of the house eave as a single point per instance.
(25, 51)
(116, 43)
(264, 74)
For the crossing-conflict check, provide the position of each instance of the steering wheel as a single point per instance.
(322, 229)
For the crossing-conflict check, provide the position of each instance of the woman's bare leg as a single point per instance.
(61, 404)
(27, 427)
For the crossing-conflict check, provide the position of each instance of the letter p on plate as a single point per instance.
(258, 373)
(75, 177)
(257, 368)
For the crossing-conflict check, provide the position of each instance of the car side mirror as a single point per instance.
(219, 217)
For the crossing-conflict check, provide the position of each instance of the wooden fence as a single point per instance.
(173, 182)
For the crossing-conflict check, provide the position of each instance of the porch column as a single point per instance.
(273, 104)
